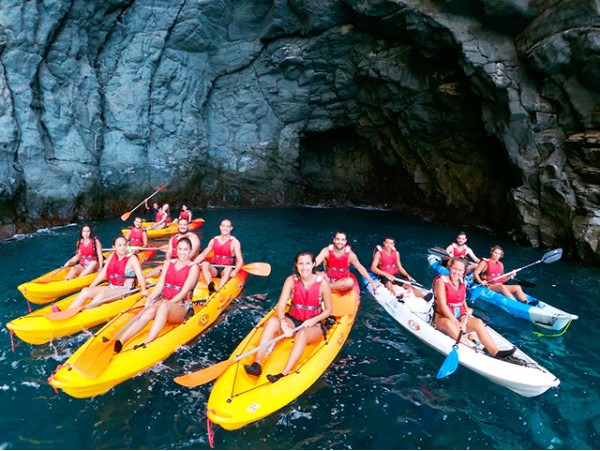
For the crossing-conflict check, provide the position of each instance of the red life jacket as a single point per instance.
(174, 242)
(338, 268)
(184, 215)
(175, 280)
(222, 252)
(387, 263)
(306, 304)
(494, 270)
(87, 252)
(454, 297)
(115, 271)
(136, 237)
(159, 216)
(458, 253)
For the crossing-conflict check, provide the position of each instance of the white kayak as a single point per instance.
(519, 373)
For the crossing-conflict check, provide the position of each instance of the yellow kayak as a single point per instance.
(130, 362)
(238, 398)
(36, 329)
(52, 285)
(170, 229)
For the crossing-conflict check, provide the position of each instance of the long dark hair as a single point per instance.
(92, 237)
(300, 254)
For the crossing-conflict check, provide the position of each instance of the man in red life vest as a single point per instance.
(386, 264)
(182, 227)
(338, 257)
(227, 259)
(460, 249)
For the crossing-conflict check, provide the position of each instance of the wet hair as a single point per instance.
(498, 248)
(301, 254)
(114, 241)
(185, 240)
(458, 260)
(83, 226)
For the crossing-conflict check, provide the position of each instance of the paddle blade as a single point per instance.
(552, 256)
(68, 313)
(450, 364)
(125, 216)
(258, 269)
(94, 360)
(438, 252)
(204, 375)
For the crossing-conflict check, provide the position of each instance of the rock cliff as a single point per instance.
(485, 111)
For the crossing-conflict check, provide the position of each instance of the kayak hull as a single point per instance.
(519, 373)
(238, 399)
(36, 329)
(38, 292)
(130, 362)
(541, 314)
(170, 229)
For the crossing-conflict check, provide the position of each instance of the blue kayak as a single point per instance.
(538, 312)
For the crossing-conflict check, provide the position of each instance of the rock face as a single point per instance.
(485, 111)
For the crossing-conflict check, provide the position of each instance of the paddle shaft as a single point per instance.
(126, 215)
(548, 257)
(416, 284)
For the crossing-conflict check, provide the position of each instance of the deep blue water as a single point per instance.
(380, 393)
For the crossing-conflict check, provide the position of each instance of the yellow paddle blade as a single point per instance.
(48, 278)
(258, 269)
(94, 360)
(204, 375)
(68, 313)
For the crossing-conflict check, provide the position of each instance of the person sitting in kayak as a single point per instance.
(338, 258)
(185, 213)
(307, 290)
(183, 232)
(386, 264)
(451, 309)
(161, 219)
(137, 237)
(88, 256)
(227, 259)
(170, 298)
(121, 271)
(152, 211)
(460, 249)
(487, 274)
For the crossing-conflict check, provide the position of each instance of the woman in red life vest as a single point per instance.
(185, 213)
(161, 219)
(88, 255)
(121, 271)
(451, 309)
(307, 290)
(487, 273)
(137, 237)
(170, 298)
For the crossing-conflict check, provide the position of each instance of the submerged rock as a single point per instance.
(483, 112)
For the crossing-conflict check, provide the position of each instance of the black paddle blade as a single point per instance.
(438, 252)
(552, 256)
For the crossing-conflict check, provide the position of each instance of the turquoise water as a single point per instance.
(380, 393)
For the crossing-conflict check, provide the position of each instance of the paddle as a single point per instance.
(206, 375)
(68, 313)
(125, 216)
(95, 359)
(48, 277)
(256, 268)
(549, 257)
(163, 248)
(416, 284)
(441, 253)
(451, 361)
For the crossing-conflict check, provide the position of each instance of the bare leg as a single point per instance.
(301, 339)
(167, 312)
(206, 272)
(341, 285)
(74, 272)
(225, 276)
(509, 291)
(89, 293)
(139, 323)
(272, 329)
(92, 267)
(475, 324)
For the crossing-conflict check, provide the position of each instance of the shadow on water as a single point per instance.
(381, 391)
